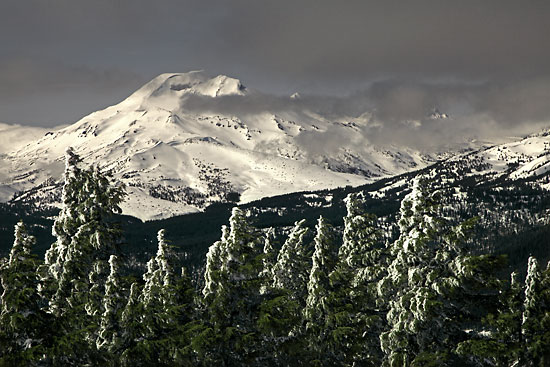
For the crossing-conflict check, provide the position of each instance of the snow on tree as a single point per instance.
(65, 225)
(269, 258)
(76, 264)
(533, 311)
(76, 269)
(354, 301)
(214, 258)
(233, 302)
(291, 271)
(317, 310)
(154, 323)
(158, 294)
(131, 326)
(109, 335)
(413, 300)
(431, 283)
(22, 322)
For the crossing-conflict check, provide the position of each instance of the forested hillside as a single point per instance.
(413, 287)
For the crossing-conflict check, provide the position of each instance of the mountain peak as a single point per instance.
(177, 85)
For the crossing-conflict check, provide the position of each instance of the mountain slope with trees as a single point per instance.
(427, 296)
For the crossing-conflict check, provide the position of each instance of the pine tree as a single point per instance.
(542, 339)
(413, 300)
(22, 322)
(354, 300)
(317, 310)
(215, 257)
(280, 314)
(269, 258)
(534, 311)
(109, 335)
(133, 330)
(188, 324)
(75, 270)
(432, 284)
(157, 300)
(233, 304)
(291, 271)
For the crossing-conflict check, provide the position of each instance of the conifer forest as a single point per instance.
(322, 296)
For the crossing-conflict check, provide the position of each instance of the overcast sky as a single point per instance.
(62, 59)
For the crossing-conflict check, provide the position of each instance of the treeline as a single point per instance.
(319, 298)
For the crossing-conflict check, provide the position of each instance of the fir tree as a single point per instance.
(354, 300)
(291, 271)
(157, 301)
(75, 269)
(133, 330)
(22, 322)
(432, 284)
(536, 312)
(269, 258)
(317, 310)
(234, 306)
(216, 255)
(280, 315)
(109, 335)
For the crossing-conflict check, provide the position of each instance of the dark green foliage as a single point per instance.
(22, 322)
(351, 300)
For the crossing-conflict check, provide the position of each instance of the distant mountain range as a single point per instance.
(177, 150)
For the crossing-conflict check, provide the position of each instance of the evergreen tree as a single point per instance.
(133, 330)
(109, 335)
(280, 315)
(536, 314)
(157, 300)
(269, 258)
(317, 310)
(76, 269)
(354, 300)
(188, 324)
(234, 308)
(542, 338)
(432, 284)
(291, 271)
(215, 257)
(531, 306)
(22, 322)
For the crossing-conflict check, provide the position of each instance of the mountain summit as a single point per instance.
(178, 85)
(176, 156)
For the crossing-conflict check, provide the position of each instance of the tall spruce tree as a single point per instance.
(109, 335)
(268, 260)
(317, 310)
(133, 330)
(291, 271)
(158, 298)
(354, 302)
(213, 279)
(280, 314)
(536, 315)
(432, 284)
(23, 325)
(76, 269)
(233, 309)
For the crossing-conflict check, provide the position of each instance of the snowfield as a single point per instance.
(176, 152)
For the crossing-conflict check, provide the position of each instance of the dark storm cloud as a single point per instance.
(475, 59)
(360, 38)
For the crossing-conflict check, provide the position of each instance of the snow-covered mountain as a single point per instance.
(176, 155)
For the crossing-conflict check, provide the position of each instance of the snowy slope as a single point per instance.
(175, 159)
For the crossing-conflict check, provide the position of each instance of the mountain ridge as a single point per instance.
(175, 159)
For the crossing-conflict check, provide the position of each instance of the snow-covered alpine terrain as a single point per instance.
(175, 157)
